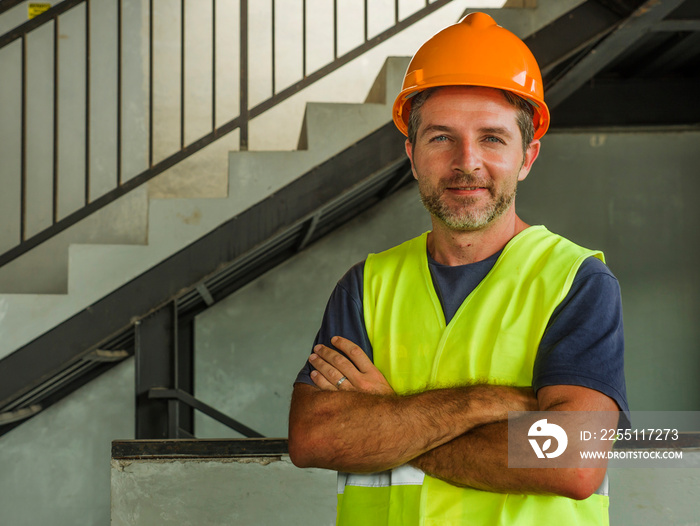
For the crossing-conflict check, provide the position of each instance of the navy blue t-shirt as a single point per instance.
(582, 345)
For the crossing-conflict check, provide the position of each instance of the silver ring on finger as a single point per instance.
(337, 384)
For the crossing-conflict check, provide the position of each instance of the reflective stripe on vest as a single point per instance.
(604, 488)
(409, 476)
(507, 313)
(401, 476)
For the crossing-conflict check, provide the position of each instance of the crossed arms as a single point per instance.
(457, 434)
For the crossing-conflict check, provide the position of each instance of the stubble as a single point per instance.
(465, 213)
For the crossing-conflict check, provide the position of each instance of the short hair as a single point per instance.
(524, 114)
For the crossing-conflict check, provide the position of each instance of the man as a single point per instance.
(443, 335)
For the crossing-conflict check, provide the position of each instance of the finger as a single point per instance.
(355, 353)
(327, 370)
(325, 385)
(337, 360)
(321, 382)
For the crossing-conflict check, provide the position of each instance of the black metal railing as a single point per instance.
(176, 398)
(22, 230)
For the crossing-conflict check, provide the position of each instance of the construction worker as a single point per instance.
(442, 336)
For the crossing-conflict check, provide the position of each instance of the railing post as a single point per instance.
(182, 74)
(184, 371)
(164, 359)
(23, 147)
(87, 103)
(54, 212)
(273, 47)
(244, 76)
(119, 91)
(213, 66)
(154, 368)
(151, 127)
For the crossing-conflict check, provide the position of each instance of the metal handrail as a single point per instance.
(175, 396)
(246, 113)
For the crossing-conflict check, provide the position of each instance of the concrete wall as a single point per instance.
(55, 467)
(629, 194)
(656, 496)
(255, 491)
(248, 491)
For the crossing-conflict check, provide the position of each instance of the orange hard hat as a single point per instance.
(474, 52)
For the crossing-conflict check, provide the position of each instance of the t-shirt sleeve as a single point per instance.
(343, 317)
(584, 343)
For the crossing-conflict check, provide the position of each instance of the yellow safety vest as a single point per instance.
(493, 337)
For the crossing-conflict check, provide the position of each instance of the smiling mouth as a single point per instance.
(465, 188)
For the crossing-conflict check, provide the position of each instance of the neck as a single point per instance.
(457, 247)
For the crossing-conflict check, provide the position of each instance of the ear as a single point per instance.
(533, 150)
(409, 154)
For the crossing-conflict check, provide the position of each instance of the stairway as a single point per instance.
(169, 225)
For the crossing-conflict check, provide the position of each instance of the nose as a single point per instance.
(466, 157)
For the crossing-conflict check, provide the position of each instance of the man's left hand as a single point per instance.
(358, 371)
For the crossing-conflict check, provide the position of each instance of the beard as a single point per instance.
(466, 214)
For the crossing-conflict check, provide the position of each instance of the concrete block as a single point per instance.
(207, 492)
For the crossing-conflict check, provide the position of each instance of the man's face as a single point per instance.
(468, 156)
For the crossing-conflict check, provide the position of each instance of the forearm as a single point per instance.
(360, 432)
(479, 459)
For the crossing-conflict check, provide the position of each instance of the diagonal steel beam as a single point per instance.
(628, 32)
(571, 33)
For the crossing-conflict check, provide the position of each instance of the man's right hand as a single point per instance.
(358, 371)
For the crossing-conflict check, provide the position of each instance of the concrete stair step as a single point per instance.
(44, 270)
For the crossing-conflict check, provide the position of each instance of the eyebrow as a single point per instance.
(495, 130)
(435, 128)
